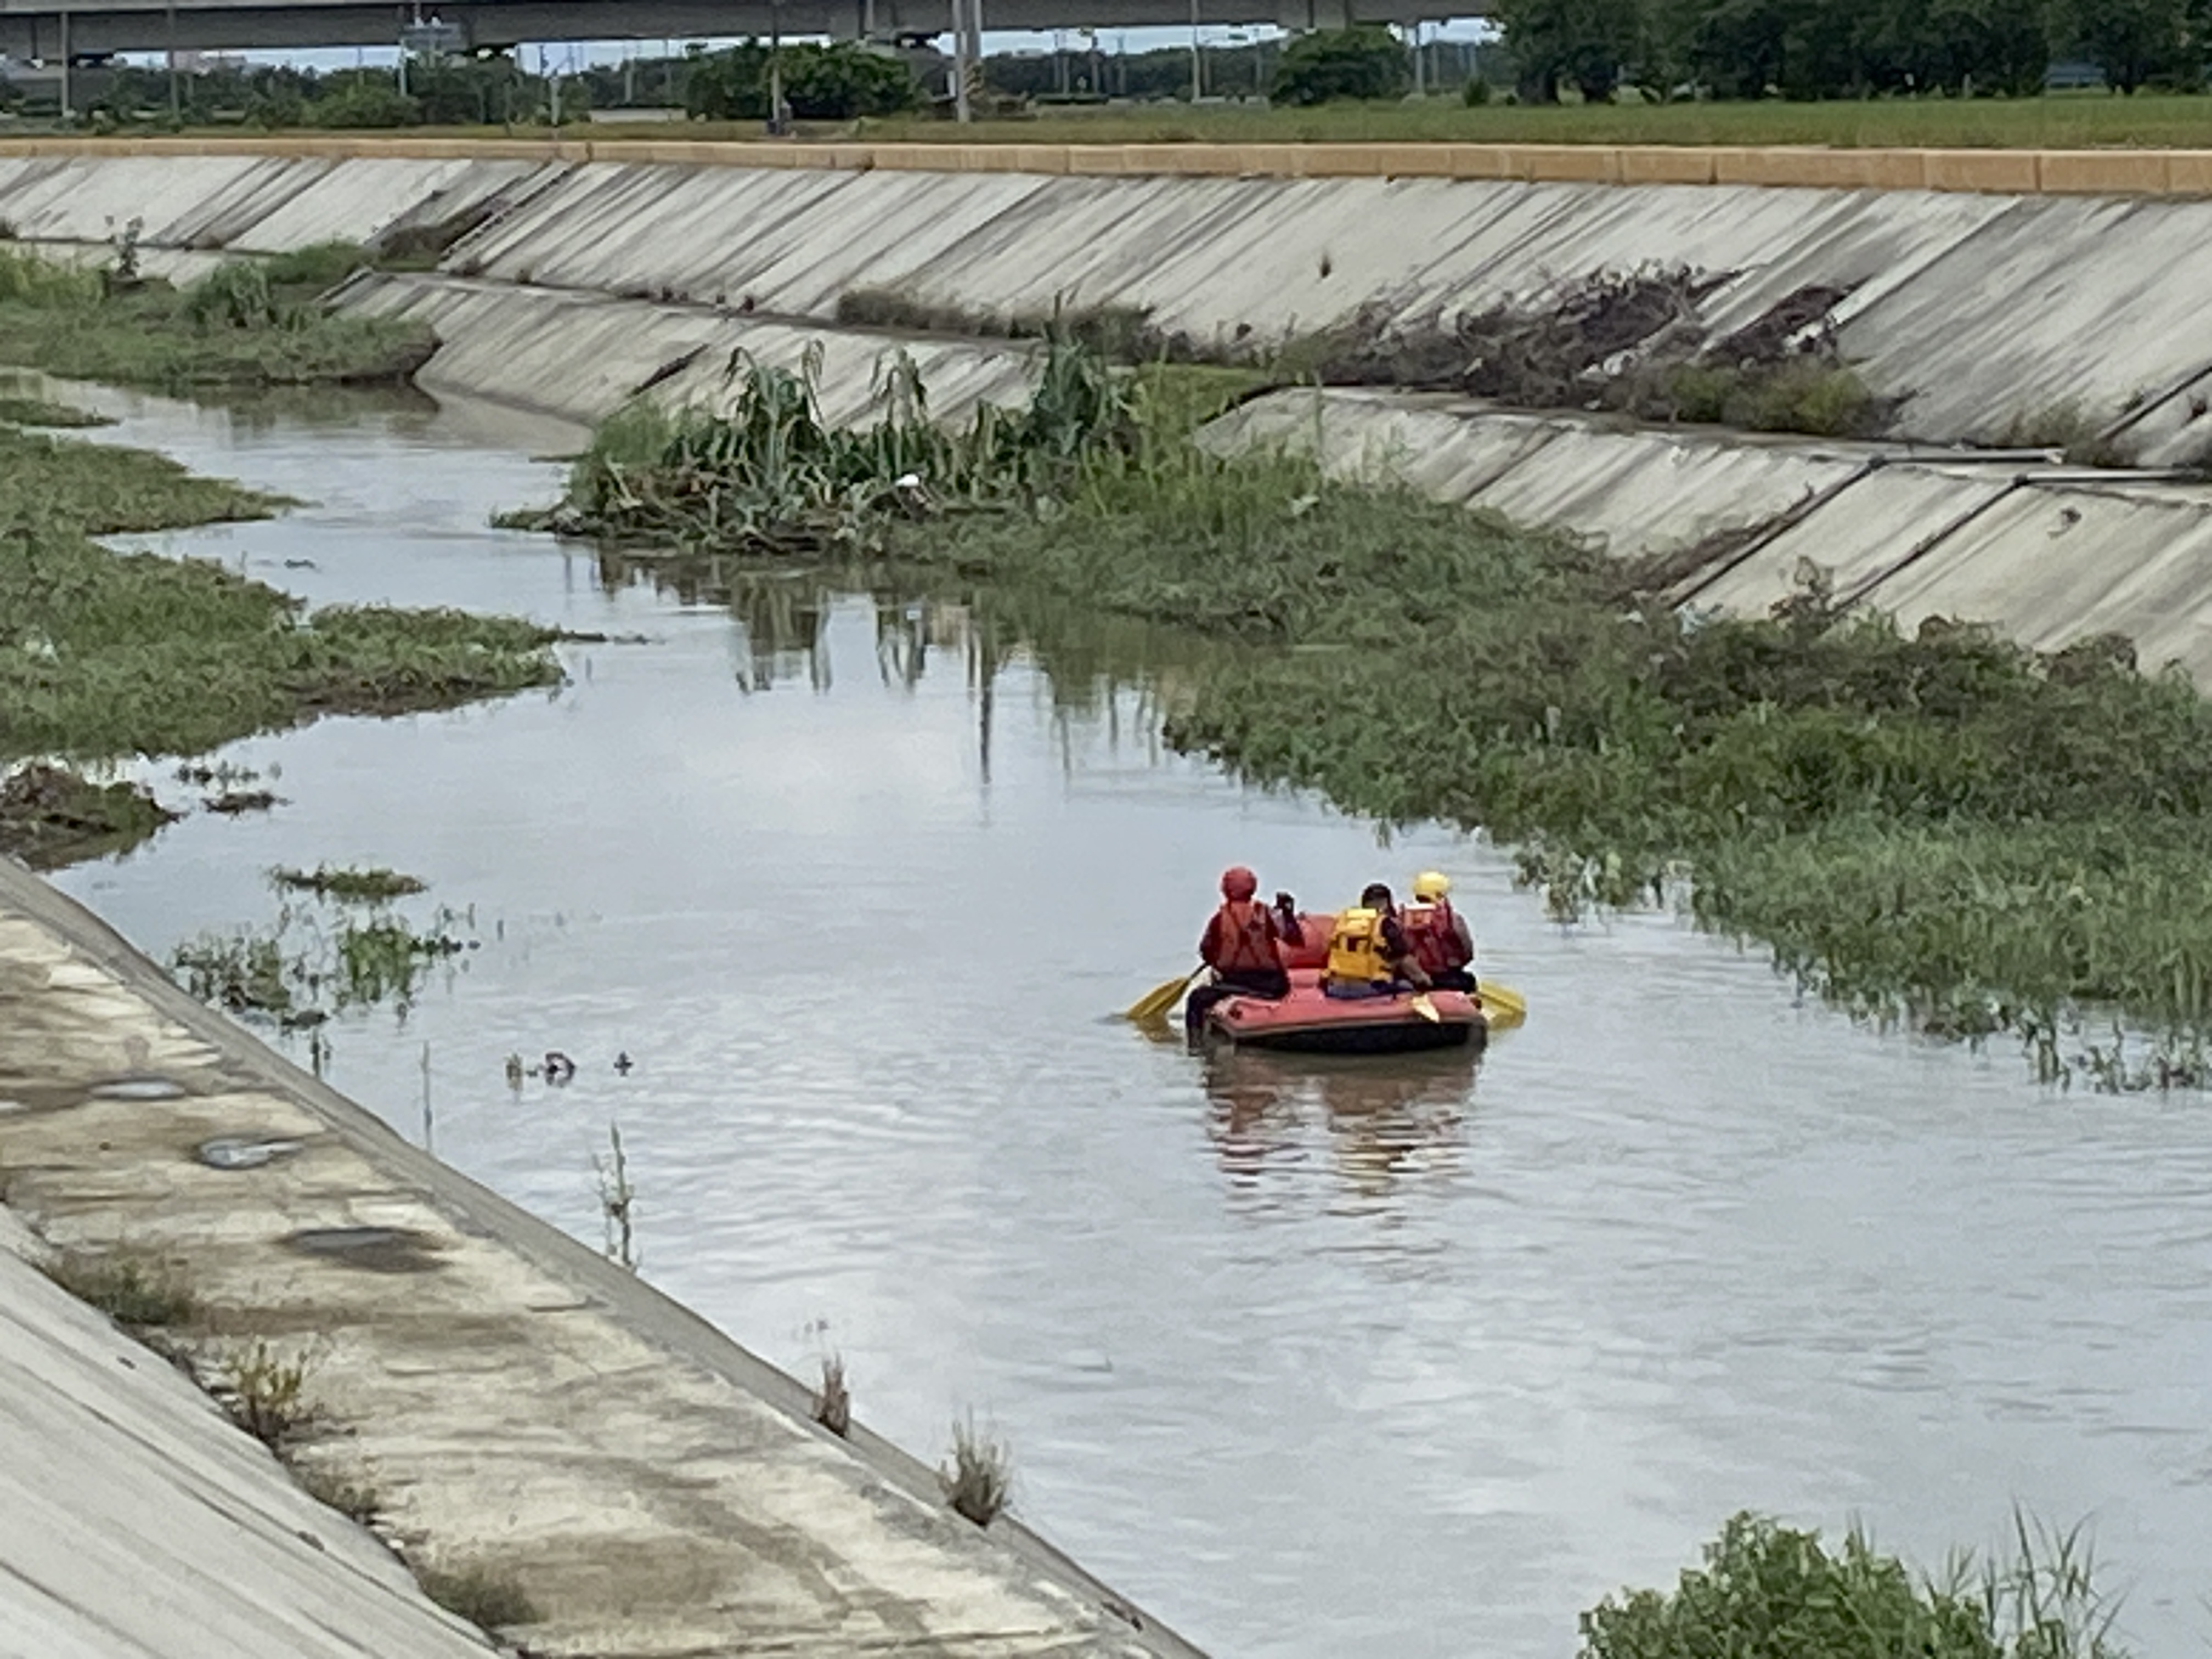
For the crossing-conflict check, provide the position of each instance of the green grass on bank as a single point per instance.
(1947, 829)
(2055, 121)
(234, 329)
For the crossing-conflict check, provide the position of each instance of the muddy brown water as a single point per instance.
(1407, 1358)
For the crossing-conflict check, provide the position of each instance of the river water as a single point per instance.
(1399, 1359)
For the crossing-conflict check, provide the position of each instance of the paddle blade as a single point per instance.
(1503, 1006)
(1155, 1003)
(1426, 1009)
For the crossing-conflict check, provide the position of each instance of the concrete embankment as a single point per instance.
(1980, 310)
(572, 278)
(519, 1406)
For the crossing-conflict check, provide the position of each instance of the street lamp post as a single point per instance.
(1197, 68)
(961, 112)
(774, 68)
(176, 95)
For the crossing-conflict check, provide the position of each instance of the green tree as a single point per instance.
(834, 82)
(1365, 61)
(2133, 41)
(1587, 44)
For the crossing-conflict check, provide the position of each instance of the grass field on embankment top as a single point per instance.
(2058, 121)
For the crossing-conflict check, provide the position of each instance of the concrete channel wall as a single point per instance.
(1982, 310)
(518, 1405)
(573, 276)
(2051, 554)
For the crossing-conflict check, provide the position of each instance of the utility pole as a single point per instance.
(775, 124)
(1197, 67)
(176, 94)
(975, 42)
(69, 104)
(961, 112)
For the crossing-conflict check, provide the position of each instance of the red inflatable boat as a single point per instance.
(1314, 1023)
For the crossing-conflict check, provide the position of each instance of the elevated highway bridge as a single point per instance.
(46, 30)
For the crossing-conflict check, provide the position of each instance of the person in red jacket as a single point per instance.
(1442, 941)
(1243, 945)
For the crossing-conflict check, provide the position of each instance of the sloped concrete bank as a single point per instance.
(566, 284)
(1980, 310)
(2050, 553)
(518, 1405)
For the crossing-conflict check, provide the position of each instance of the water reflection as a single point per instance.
(1387, 1122)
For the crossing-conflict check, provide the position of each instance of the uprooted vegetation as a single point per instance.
(1943, 829)
(1630, 343)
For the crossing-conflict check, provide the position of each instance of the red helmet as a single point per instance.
(1239, 884)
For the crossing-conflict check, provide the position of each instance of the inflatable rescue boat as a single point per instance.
(1312, 1022)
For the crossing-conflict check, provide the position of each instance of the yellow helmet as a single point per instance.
(1430, 885)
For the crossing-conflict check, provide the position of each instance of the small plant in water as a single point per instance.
(617, 1199)
(980, 1475)
(347, 884)
(833, 1400)
(265, 1391)
(130, 1288)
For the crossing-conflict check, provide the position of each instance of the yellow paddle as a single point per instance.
(1504, 1006)
(1426, 1009)
(1155, 1003)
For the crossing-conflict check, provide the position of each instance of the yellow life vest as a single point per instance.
(1355, 947)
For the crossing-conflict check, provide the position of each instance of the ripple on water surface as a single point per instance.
(1414, 1359)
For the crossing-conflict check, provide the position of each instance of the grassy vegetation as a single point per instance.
(129, 1287)
(242, 326)
(51, 817)
(1946, 830)
(105, 655)
(1766, 1591)
(18, 411)
(2056, 120)
(483, 1595)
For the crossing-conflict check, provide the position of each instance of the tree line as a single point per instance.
(1809, 49)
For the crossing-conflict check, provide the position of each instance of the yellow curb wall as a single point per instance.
(2007, 171)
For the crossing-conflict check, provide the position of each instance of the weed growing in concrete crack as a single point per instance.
(266, 1392)
(981, 1476)
(130, 1288)
(833, 1400)
(483, 1595)
(617, 1197)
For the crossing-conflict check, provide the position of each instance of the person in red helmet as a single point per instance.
(1243, 945)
